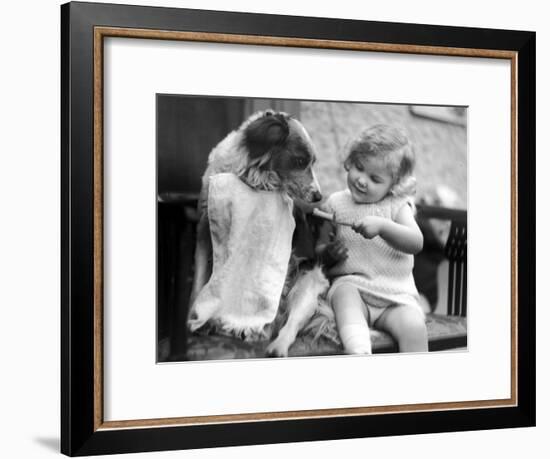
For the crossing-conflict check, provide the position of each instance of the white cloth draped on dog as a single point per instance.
(251, 234)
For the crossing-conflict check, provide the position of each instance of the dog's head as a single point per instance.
(280, 156)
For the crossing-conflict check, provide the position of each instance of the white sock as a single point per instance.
(356, 338)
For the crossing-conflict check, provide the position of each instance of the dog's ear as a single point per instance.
(266, 132)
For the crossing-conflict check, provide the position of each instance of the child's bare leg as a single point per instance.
(350, 320)
(407, 325)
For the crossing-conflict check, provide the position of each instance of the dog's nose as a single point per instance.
(316, 196)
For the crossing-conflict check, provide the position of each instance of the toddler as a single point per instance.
(371, 261)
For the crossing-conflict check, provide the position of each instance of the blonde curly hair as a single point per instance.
(391, 144)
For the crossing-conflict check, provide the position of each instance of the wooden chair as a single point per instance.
(444, 331)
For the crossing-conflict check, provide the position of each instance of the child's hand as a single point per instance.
(369, 227)
(334, 252)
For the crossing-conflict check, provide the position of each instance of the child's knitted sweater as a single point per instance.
(381, 273)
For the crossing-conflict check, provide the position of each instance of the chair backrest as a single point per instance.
(457, 254)
(456, 251)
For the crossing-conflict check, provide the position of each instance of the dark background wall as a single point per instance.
(187, 129)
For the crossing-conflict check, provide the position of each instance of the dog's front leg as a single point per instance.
(302, 301)
(203, 255)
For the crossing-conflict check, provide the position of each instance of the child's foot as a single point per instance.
(359, 350)
(356, 339)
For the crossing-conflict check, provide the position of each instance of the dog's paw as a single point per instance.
(277, 349)
(194, 324)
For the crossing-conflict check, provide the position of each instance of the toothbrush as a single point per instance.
(329, 217)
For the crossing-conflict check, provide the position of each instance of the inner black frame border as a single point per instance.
(78, 433)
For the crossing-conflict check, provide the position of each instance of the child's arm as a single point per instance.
(402, 234)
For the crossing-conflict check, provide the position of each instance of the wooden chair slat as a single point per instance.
(456, 253)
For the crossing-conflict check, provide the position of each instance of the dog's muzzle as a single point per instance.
(314, 194)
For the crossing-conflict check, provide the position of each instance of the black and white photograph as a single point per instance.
(301, 228)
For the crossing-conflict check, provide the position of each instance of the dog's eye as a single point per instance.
(301, 162)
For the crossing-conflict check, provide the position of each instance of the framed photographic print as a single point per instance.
(280, 229)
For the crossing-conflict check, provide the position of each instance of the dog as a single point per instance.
(270, 151)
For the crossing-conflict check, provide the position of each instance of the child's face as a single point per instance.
(369, 179)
